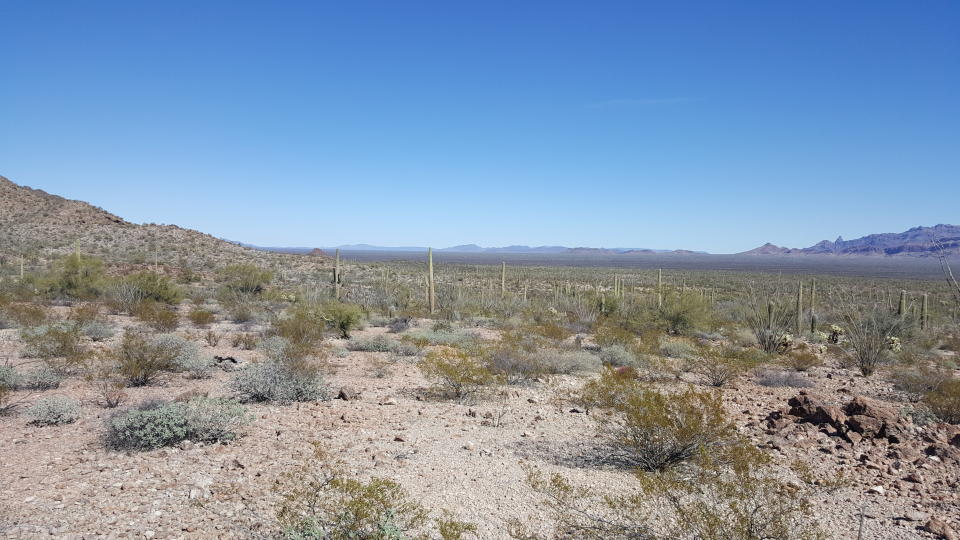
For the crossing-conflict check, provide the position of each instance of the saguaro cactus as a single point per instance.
(659, 288)
(503, 279)
(923, 312)
(902, 306)
(799, 307)
(337, 279)
(813, 301)
(431, 290)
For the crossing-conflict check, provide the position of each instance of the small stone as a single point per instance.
(526, 434)
(470, 446)
(878, 490)
(348, 393)
(398, 438)
(940, 528)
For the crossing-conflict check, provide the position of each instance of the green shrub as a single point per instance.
(59, 344)
(618, 356)
(187, 357)
(159, 317)
(378, 343)
(54, 411)
(244, 341)
(141, 359)
(653, 430)
(320, 501)
(678, 348)
(424, 338)
(156, 287)
(302, 325)
(76, 276)
(280, 381)
(561, 361)
(201, 317)
(457, 372)
(944, 401)
(158, 424)
(26, 315)
(245, 278)
(343, 317)
(685, 313)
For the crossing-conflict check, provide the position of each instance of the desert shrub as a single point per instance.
(158, 424)
(424, 338)
(707, 502)
(59, 344)
(85, 313)
(608, 335)
(245, 278)
(654, 431)
(97, 331)
(26, 315)
(319, 500)
(685, 313)
(187, 359)
(378, 343)
(212, 338)
(155, 287)
(10, 378)
(802, 359)
(618, 356)
(159, 317)
(944, 401)
(76, 276)
(780, 378)
(201, 317)
(514, 366)
(280, 381)
(303, 325)
(377, 320)
(869, 335)
(457, 372)
(240, 312)
(54, 411)
(677, 348)
(560, 361)
(717, 367)
(399, 324)
(7, 402)
(343, 317)
(920, 378)
(140, 359)
(244, 341)
(42, 378)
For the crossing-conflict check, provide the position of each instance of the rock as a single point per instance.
(470, 446)
(860, 405)
(398, 438)
(877, 490)
(914, 515)
(348, 393)
(575, 410)
(867, 426)
(940, 528)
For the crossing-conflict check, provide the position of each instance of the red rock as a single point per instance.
(940, 528)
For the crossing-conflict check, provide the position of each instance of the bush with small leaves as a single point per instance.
(157, 316)
(618, 356)
(245, 278)
(565, 362)
(320, 501)
(141, 359)
(457, 372)
(57, 340)
(97, 331)
(161, 423)
(10, 378)
(343, 318)
(42, 378)
(677, 348)
(201, 317)
(154, 287)
(779, 378)
(245, 341)
(26, 315)
(944, 401)
(802, 359)
(280, 381)
(378, 343)
(654, 430)
(399, 324)
(188, 358)
(54, 411)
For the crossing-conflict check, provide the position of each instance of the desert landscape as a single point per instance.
(151, 391)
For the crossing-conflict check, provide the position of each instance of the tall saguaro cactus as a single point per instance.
(813, 302)
(337, 278)
(659, 288)
(503, 279)
(431, 290)
(902, 306)
(799, 307)
(923, 312)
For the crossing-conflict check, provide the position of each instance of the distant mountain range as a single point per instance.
(474, 248)
(915, 242)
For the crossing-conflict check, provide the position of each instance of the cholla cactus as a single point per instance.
(784, 343)
(820, 336)
(893, 343)
(836, 334)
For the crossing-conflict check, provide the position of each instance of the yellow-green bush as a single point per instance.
(944, 401)
(457, 372)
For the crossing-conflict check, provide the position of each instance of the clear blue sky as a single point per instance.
(701, 125)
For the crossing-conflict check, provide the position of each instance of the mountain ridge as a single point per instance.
(914, 242)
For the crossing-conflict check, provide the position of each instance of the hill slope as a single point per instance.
(916, 242)
(42, 226)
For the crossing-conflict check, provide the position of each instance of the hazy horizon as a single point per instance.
(690, 125)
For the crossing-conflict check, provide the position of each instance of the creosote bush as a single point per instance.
(320, 501)
(157, 316)
(280, 381)
(944, 401)
(458, 373)
(141, 359)
(59, 344)
(344, 318)
(150, 286)
(654, 430)
(54, 411)
(245, 278)
(201, 317)
(160, 423)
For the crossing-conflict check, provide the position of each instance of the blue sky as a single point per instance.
(701, 125)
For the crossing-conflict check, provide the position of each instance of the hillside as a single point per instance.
(42, 226)
(915, 242)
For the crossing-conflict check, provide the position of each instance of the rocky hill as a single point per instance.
(915, 242)
(41, 226)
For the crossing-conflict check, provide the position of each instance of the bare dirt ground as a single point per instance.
(470, 459)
